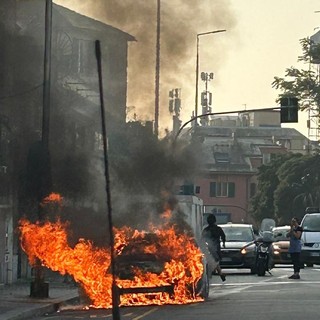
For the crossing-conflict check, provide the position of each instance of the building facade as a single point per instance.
(75, 140)
(233, 148)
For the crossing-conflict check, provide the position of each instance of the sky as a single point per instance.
(260, 42)
(267, 44)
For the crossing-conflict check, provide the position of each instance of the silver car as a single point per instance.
(233, 255)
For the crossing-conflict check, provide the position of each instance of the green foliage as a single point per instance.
(287, 185)
(302, 83)
(289, 177)
(262, 203)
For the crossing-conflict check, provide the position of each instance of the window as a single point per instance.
(85, 62)
(221, 157)
(241, 234)
(222, 189)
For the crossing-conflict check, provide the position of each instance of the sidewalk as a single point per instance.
(16, 303)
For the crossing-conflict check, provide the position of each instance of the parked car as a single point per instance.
(280, 246)
(310, 251)
(233, 256)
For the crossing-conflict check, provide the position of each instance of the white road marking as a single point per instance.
(262, 283)
(220, 290)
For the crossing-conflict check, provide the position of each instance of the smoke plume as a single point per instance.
(181, 20)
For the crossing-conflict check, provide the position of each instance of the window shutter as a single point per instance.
(213, 187)
(231, 189)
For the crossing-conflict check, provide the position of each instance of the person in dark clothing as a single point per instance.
(213, 235)
(295, 247)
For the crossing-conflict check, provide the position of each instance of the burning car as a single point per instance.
(143, 253)
(148, 255)
(162, 258)
(163, 265)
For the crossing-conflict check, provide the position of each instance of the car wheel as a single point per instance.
(309, 265)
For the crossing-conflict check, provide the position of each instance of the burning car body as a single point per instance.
(158, 266)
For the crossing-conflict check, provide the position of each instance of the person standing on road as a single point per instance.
(213, 235)
(295, 247)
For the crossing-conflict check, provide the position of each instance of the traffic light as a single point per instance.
(289, 109)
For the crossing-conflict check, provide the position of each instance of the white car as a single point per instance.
(310, 251)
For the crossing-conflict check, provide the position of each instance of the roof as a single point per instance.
(78, 20)
(230, 150)
(250, 132)
(31, 17)
(316, 37)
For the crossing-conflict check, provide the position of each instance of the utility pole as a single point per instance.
(47, 75)
(39, 288)
(197, 69)
(114, 288)
(175, 107)
(206, 97)
(157, 82)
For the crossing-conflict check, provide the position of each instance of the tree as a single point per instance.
(262, 204)
(289, 174)
(300, 83)
(287, 185)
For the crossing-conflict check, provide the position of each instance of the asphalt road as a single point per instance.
(242, 297)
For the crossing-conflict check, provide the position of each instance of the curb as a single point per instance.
(37, 311)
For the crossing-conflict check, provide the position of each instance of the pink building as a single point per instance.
(231, 154)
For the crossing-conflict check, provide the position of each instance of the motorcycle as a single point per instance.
(263, 258)
(263, 261)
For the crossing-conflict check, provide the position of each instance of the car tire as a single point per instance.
(253, 270)
(309, 265)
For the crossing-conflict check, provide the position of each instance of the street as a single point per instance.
(242, 296)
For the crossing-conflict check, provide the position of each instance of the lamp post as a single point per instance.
(197, 66)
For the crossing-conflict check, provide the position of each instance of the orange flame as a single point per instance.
(53, 198)
(90, 266)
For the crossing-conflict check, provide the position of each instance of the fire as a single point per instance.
(53, 198)
(90, 266)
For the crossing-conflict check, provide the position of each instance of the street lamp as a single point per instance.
(197, 67)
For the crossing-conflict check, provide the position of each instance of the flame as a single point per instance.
(52, 198)
(166, 214)
(90, 266)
